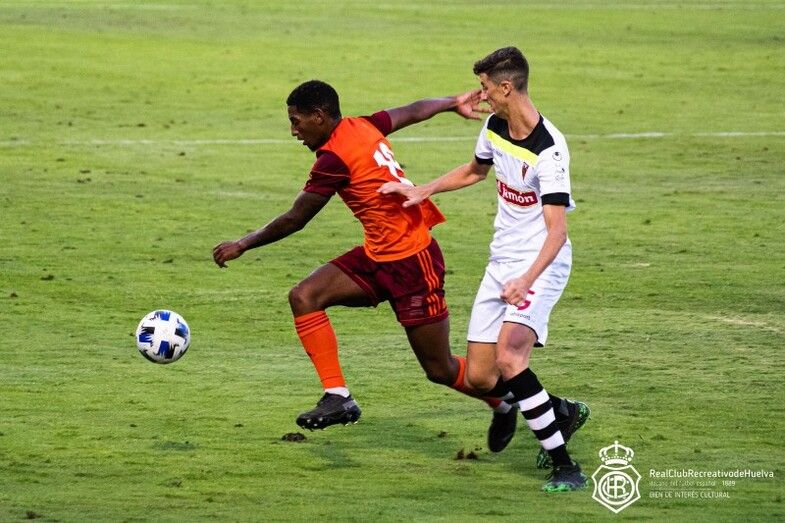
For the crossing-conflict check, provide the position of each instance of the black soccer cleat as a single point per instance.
(502, 429)
(578, 413)
(331, 409)
(566, 478)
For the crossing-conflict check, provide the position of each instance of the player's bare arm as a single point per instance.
(516, 290)
(466, 105)
(462, 176)
(305, 207)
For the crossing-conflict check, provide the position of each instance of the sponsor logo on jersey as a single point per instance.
(515, 197)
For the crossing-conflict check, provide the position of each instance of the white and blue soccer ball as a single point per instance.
(163, 336)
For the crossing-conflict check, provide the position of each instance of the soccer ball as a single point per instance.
(163, 336)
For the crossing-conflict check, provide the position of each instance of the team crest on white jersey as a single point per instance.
(524, 170)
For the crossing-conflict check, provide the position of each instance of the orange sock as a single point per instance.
(460, 387)
(318, 338)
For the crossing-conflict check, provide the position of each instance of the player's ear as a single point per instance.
(506, 87)
(319, 116)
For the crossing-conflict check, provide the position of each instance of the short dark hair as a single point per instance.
(315, 94)
(507, 63)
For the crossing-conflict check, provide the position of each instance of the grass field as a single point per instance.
(136, 135)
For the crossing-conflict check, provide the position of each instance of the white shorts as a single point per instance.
(490, 311)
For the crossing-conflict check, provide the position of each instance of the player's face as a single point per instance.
(494, 94)
(307, 127)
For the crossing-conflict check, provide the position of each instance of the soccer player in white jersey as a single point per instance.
(529, 264)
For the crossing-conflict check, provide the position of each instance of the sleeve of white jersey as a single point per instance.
(483, 150)
(553, 169)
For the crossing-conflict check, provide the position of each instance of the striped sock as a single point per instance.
(538, 412)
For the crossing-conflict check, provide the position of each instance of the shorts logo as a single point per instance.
(616, 487)
(515, 197)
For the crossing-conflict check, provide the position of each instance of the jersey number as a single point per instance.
(526, 302)
(384, 158)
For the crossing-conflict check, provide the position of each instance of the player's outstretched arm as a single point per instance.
(305, 207)
(466, 105)
(461, 176)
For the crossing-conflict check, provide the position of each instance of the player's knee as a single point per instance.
(480, 382)
(302, 299)
(507, 361)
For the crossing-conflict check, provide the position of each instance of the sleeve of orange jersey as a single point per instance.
(328, 175)
(382, 121)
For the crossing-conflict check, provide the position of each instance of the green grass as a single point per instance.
(671, 328)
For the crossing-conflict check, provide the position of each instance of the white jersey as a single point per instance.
(529, 173)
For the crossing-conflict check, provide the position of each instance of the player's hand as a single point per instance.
(225, 251)
(469, 104)
(516, 291)
(413, 194)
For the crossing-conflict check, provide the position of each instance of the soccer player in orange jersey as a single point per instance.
(399, 262)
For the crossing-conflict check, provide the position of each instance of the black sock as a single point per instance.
(559, 455)
(559, 407)
(499, 390)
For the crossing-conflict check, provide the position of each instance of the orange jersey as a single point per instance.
(392, 232)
